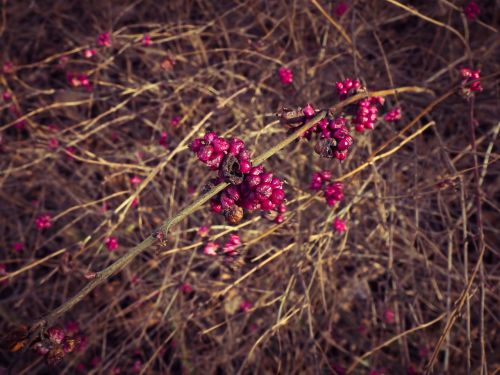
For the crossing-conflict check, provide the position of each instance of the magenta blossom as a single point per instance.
(111, 243)
(340, 9)
(472, 11)
(339, 225)
(163, 141)
(43, 221)
(231, 245)
(135, 180)
(203, 231)
(286, 75)
(146, 40)
(389, 316)
(175, 121)
(104, 39)
(186, 288)
(245, 305)
(53, 143)
(8, 67)
(211, 248)
(393, 115)
(89, 52)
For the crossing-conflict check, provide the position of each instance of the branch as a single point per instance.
(121, 263)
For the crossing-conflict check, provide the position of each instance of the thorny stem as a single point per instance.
(122, 262)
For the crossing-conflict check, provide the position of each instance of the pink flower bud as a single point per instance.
(210, 248)
(309, 110)
(56, 334)
(111, 243)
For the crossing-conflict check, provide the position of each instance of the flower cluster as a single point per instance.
(6, 96)
(146, 40)
(366, 114)
(229, 249)
(471, 81)
(319, 178)
(259, 190)
(334, 192)
(89, 53)
(339, 140)
(286, 75)
(347, 86)
(472, 11)
(231, 245)
(163, 140)
(43, 221)
(251, 188)
(212, 149)
(111, 243)
(18, 247)
(339, 225)
(334, 137)
(104, 39)
(79, 80)
(340, 9)
(393, 115)
(56, 344)
(8, 67)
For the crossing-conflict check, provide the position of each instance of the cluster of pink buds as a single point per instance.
(286, 75)
(339, 225)
(89, 53)
(212, 150)
(186, 288)
(340, 9)
(8, 67)
(53, 143)
(55, 345)
(6, 96)
(319, 178)
(347, 86)
(111, 243)
(334, 192)
(229, 249)
(245, 306)
(472, 10)
(104, 39)
(393, 115)
(163, 141)
(175, 121)
(211, 248)
(146, 40)
(259, 190)
(18, 247)
(471, 81)
(79, 80)
(251, 188)
(43, 221)
(366, 114)
(231, 245)
(336, 138)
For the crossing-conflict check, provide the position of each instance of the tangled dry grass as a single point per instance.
(414, 281)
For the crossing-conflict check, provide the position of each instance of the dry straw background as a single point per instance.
(414, 245)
